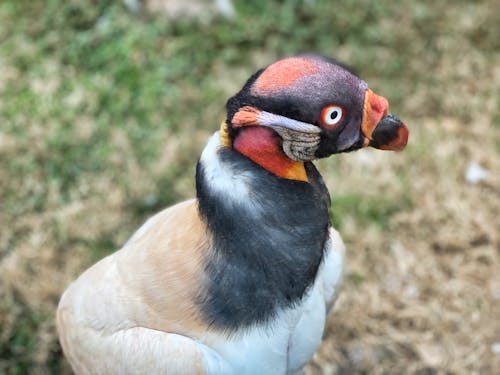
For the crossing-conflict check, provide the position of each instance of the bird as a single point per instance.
(241, 278)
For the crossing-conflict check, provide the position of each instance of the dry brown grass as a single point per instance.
(422, 290)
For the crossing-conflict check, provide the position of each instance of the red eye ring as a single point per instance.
(332, 115)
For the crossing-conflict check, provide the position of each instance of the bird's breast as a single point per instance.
(285, 343)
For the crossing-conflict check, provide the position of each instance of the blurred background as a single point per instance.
(105, 107)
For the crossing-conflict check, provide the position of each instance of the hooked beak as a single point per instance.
(381, 129)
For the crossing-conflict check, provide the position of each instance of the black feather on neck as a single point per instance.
(267, 245)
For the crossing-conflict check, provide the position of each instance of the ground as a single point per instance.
(104, 112)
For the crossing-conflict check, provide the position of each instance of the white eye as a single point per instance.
(332, 115)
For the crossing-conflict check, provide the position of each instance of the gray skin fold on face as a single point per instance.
(300, 139)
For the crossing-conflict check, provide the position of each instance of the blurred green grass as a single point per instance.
(88, 67)
(73, 73)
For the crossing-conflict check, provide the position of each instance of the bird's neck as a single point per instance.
(263, 146)
(267, 236)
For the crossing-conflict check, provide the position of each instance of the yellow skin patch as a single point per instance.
(224, 135)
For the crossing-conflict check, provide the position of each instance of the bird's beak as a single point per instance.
(381, 129)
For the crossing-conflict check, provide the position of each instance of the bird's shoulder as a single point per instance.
(178, 228)
(153, 281)
(163, 264)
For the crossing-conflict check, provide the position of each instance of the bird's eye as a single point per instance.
(332, 115)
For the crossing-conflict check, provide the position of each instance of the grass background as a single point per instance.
(103, 114)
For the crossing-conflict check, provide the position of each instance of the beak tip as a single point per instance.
(401, 140)
(390, 134)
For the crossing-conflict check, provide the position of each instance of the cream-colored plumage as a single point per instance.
(123, 306)
(134, 311)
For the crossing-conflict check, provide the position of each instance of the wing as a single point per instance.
(136, 350)
(139, 304)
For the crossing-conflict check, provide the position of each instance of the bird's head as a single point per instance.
(311, 107)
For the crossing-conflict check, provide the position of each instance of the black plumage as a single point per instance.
(268, 247)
